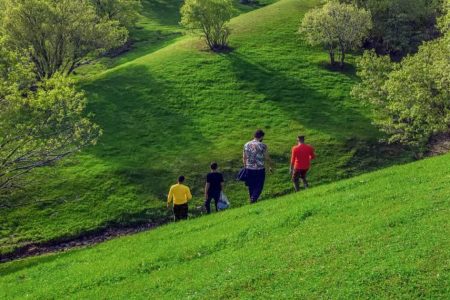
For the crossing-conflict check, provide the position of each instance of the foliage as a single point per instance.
(211, 18)
(411, 99)
(337, 27)
(124, 11)
(383, 235)
(400, 26)
(58, 35)
(40, 122)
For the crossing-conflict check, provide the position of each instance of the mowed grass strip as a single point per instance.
(176, 109)
(382, 235)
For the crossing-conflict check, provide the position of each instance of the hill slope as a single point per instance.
(174, 110)
(379, 235)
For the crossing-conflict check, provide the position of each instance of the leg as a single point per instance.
(208, 204)
(296, 180)
(176, 212)
(303, 174)
(251, 184)
(260, 177)
(216, 200)
(184, 211)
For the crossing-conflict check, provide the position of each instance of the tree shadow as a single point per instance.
(164, 12)
(299, 101)
(144, 125)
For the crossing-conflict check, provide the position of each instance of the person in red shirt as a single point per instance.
(301, 157)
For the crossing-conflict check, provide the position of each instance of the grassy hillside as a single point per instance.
(172, 108)
(383, 235)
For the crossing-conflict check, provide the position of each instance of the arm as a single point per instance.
(169, 197)
(206, 189)
(188, 194)
(313, 155)
(244, 158)
(269, 160)
(291, 168)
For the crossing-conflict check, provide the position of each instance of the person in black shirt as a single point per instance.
(213, 187)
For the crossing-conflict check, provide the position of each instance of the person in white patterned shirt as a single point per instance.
(255, 156)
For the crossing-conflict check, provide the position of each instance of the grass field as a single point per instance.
(383, 235)
(170, 107)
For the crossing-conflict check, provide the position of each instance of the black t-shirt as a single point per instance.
(214, 179)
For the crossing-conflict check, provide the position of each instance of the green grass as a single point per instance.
(383, 235)
(177, 108)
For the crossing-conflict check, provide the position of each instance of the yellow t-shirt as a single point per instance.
(179, 193)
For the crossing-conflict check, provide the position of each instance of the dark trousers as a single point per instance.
(296, 175)
(180, 211)
(216, 197)
(255, 183)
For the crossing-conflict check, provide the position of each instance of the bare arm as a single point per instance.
(291, 169)
(269, 160)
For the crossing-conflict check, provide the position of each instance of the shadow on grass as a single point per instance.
(144, 128)
(165, 12)
(317, 111)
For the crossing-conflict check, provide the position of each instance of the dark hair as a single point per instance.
(301, 138)
(259, 134)
(214, 166)
(181, 179)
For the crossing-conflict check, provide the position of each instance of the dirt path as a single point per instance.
(77, 242)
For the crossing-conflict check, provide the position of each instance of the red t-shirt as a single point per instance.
(301, 156)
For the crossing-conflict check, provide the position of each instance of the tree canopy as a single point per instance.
(410, 99)
(40, 122)
(339, 28)
(400, 26)
(124, 11)
(58, 35)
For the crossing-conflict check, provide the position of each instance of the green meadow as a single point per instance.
(170, 107)
(382, 235)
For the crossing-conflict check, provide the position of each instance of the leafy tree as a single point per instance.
(124, 11)
(40, 122)
(59, 34)
(211, 18)
(400, 26)
(410, 99)
(338, 27)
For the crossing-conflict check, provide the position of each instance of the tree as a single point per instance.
(400, 26)
(339, 28)
(410, 99)
(211, 17)
(40, 122)
(59, 34)
(124, 11)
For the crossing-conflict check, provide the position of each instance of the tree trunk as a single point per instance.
(342, 59)
(332, 60)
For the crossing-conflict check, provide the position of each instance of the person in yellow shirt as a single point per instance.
(180, 194)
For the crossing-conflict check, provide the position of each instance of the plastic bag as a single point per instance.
(223, 202)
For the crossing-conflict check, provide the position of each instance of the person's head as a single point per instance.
(259, 134)
(301, 139)
(181, 179)
(214, 166)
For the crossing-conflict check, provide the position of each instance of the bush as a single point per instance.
(211, 18)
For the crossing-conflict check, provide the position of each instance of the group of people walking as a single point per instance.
(255, 158)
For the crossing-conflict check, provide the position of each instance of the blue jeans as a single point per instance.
(255, 183)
